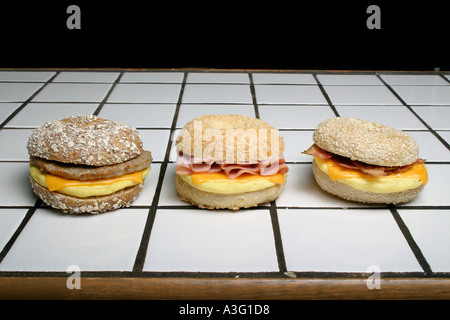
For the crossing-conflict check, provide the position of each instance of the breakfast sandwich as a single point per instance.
(87, 164)
(367, 162)
(229, 162)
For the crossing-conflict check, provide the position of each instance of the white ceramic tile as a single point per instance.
(283, 78)
(188, 112)
(219, 241)
(10, 219)
(52, 241)
(394, 116)
(424, 95)
(436, 116)
(435, 192)
(72, 76)
(429, 229)
(295, 142)
(150, 182)
(301, 190)
(6, 109)
(73, 92)
(348, 79)
(430, 148)
(217, 93)
(289, 94)
(16, 189)
(445, 135)
(145, 93)
(13, 144)
(140, 115)
(361, 95)
(291, 117)
(17, 92)
(26, 76)
(157, 77)
(155, 141)
(344, 241)
(405, 79)
(217, 77)
(168, 194)
(36, 114)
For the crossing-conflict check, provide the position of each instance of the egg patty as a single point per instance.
(84, 189)
(410, 179)
(220, 183)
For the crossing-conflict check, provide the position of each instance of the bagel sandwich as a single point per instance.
(87, 164)
(229, 162)
(367, 162)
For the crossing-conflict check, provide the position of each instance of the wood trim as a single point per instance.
(207, 288)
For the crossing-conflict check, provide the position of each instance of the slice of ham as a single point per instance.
(369, 169)
(185, 165)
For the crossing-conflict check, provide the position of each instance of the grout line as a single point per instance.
(411, 242)
(445, 78)
(277, 237)
(442, 140)
(142, 251)
(325, 94)
(253, 92)
(15, 112)
(100, 107)
(19, 229)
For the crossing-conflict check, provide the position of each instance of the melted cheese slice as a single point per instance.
(89, 188)
(220, 183)
(409, 179)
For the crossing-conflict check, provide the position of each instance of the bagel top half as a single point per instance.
(230, 137)
(366, 141)
(87, 140)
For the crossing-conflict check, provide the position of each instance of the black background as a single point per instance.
(296, 35)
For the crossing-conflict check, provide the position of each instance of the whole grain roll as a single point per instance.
(366, 141)
(227, 136)
(91, 205)
(87, 140)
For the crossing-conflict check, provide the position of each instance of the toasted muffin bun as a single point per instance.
(219, 136)
(346, 192)
(366, 141)
(91, 205)
(209, 200)
(87, 140)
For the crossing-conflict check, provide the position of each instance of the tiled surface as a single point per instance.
(305, 230)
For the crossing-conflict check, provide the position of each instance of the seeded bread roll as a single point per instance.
(91, 205)
(218, 129)
(87, 164)
(88, 140)
(209, 200)
(346, 192)
(366, 141)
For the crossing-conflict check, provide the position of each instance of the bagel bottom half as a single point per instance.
(92, 205)
(209, 200)
(346, 192)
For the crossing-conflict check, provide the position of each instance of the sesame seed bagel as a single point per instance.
(366, 141)
(226, 137)
(87, 140)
